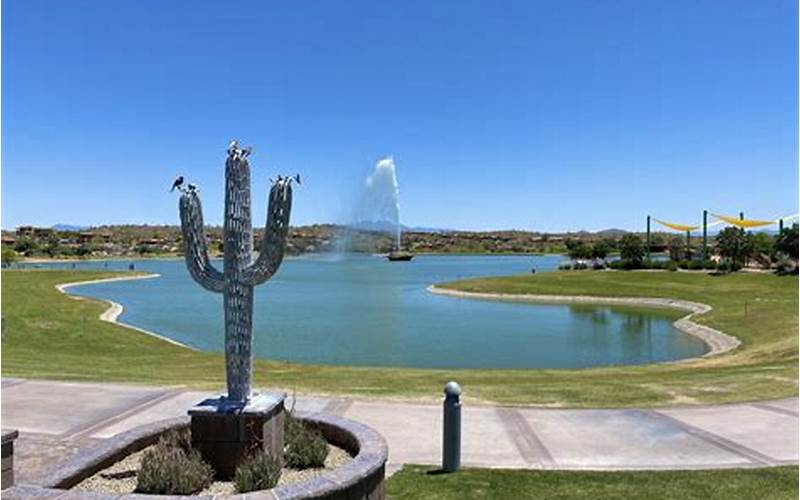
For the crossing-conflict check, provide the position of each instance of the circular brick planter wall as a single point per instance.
(362, 478)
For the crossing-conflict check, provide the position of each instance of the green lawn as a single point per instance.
(420, 482)
(49, 335)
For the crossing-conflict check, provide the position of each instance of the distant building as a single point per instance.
(153, 241)
(25, 231)
(87, 236)
(34, 232)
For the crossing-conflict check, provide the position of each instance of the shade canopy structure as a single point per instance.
(676, 227)
(740, 222)
(744, 223)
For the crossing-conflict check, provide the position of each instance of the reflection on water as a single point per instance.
(364, 310)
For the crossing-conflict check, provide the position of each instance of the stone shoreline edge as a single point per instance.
(112, 314)
(717, 341)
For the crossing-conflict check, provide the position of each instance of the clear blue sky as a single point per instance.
(546, 115)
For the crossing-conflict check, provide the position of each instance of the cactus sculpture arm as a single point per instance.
(194, 244)
(273, 244)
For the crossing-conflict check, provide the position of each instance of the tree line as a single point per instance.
(731, 250)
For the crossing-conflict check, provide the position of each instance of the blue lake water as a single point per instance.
(364, 310)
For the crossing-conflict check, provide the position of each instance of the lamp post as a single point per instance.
(451, 439)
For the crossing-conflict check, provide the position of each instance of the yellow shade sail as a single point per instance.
(745, 223)
(677, 227)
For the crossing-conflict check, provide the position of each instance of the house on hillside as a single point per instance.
(87, 236)
(34, 232)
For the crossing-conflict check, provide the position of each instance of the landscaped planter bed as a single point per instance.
(357, 475)
(120, 478)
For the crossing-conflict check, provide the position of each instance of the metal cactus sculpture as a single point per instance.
(240, 273)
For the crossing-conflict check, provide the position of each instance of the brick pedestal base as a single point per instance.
(224, 433)
(9, 435)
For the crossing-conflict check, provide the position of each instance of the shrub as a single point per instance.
(173, 467)
(9, 256)
(627, 264)
(709, 265)
(258, 471)
(696, 264)
(179, 439)
(724, 266)
(564, 267)
(304, 447)
(672, 266)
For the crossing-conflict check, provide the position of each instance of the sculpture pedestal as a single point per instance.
(224, 433)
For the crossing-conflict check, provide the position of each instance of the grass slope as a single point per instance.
(418, 482)
(49, 335)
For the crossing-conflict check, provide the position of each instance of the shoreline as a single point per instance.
(717, 341)
(114, 310)
(45, 260)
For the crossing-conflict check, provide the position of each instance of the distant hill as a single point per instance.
(376, 225)
(69, 227)
(391, 227)
(612, 233)
(422, 229)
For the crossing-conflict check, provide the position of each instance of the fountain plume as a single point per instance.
(376, 208)
(382, 194)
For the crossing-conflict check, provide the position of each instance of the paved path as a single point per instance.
(57, 418)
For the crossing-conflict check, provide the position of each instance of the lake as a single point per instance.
(364, 310)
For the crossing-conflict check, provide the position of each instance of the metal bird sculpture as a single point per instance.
(286, 180)
(177, 184)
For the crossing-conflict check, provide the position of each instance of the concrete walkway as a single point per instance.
(56, 418)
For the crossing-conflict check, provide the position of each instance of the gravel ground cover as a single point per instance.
(120, 478)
